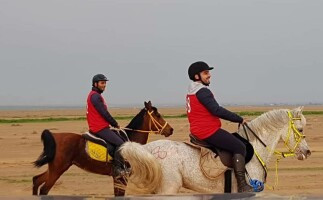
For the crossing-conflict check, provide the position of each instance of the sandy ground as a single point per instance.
(20, 145)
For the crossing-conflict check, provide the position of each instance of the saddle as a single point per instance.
(215, 161)
(98, 149)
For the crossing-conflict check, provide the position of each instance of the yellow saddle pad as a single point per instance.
(210, 166)
(97, 152)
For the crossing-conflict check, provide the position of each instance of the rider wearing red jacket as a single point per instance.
(99, 120)
(204, 114)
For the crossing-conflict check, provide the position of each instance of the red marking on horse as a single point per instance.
(159, 154)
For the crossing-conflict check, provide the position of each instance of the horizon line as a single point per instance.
(28, 107)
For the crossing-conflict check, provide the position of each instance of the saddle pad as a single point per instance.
(211, 167)
(97, 152)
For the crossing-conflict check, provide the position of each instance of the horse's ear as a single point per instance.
(148, 105)
(302, 108)
(298, 111)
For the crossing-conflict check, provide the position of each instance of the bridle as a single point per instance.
(159, 128)
(298, 136)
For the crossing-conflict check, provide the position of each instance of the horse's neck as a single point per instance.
(139, 124)
(269, 127)
(139, 137)
(270, 138)
(254, 167)
(271, 142)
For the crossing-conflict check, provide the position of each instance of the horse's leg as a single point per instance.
(119, 186)
(54, 172)
(38, 180)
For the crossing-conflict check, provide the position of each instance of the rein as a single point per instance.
(298, 136)
(160, 128)
(263, 164)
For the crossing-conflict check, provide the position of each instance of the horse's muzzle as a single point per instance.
(302, 155)
(168, 132)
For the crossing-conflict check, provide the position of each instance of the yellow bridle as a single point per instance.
(160, 128)
(298, 136)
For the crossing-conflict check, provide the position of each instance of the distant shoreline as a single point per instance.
(126, 117)
(69, 107)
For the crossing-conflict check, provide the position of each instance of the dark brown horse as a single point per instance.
(62, 150)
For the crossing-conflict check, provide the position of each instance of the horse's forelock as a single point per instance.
(297, 112)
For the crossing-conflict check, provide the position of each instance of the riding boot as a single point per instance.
(119, 166)
(240, 170)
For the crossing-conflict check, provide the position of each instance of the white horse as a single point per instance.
(164, 166)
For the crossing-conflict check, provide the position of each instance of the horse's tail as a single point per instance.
(48, 153)
(146, 171)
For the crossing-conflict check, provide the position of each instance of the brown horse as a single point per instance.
(62, 150)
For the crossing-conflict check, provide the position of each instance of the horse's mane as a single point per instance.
(137, 121)
(270, 121)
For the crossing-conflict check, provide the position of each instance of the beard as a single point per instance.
(206, 84)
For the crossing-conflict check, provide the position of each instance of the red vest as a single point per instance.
(94, 119)
(202, 123)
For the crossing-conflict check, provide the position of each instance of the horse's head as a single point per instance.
(157, 123)
(294, 138)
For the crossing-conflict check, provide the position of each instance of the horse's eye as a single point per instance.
(158, 115)
(300, 130)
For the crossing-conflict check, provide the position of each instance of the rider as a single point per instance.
(99, 120)
(204, 115)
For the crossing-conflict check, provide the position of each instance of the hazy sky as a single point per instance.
(263, 51)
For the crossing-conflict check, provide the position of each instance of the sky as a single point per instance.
(267, 51)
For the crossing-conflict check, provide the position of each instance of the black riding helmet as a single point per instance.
(196, 68)
(97, 78)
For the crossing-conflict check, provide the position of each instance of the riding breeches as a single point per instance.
(226, 141)
(110, 137)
